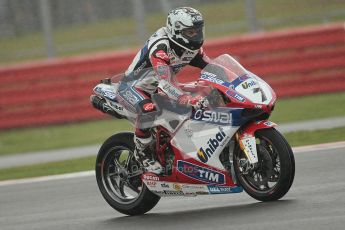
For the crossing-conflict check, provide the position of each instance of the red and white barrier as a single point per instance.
(295, 62)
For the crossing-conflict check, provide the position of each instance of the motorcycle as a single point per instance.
(223, 147)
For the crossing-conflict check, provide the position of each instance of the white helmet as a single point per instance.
(185, 27)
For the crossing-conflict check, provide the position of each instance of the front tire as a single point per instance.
(273, 176)
(118, 177)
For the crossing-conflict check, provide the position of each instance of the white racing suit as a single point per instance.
(152, 66)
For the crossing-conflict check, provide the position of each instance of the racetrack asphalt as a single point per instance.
(31, 158)
(315, 201)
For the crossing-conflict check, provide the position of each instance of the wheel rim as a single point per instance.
(265, 176)
(121, 175)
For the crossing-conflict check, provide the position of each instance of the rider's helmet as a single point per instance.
(185, 27)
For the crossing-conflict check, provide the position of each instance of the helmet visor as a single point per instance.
(194, 34)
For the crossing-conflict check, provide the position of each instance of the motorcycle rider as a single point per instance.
(167, 51)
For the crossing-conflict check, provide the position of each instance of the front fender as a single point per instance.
(251, 128)
(246, 138)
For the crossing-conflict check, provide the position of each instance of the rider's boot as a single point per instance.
(141, 155)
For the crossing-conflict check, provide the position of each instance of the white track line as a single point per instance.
(309, 148)
(48, 178)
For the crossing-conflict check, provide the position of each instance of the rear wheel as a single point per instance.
(273, 175)
(118, 177)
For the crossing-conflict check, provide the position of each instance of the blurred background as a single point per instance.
(54, 28)
(53, 52)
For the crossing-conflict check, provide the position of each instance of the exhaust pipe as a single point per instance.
(100, 104)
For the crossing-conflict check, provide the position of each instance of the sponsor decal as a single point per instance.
(129, 96)
(140, 68)
(151, 183)
(162, 69)
(211, 77)
(243, 77)
(125, 103)
(177, 67)
(106, 108)
(193, 186)
(99, 89)
(148, 106)
(172, 56)
(106, 93)
(173, 193)
(239, 97)
(187, 59)
(229, 85)
(187, 52)
(165, 185)
(150, 177)
(212, 145)
(202, 193)
(196, 18)
(206, 75)
(172, 59)
(247, 85)
(171, 91)
(223, 190)
(235, 95)
(249, 144)
(213, 116)
(200, 173)
(177, 187)
(239, 80)
(116, 107)
(189, 194)
(157, 192)
(154, 84)
(162, 55)
(269, 123)
(266, 122)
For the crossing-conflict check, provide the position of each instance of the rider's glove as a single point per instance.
(196, 102)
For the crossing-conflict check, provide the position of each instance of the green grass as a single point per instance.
(60, 136)
(315, 137)
(53, 168)
(88, 163)
(95, 132)
(220, 19)
(309, 107)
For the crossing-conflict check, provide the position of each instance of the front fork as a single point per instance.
(245, 138)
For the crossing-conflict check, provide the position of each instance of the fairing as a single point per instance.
(198, 137)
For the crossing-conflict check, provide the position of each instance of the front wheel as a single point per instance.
(272, 176)
(118, 177)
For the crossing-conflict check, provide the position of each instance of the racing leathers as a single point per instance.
(151, 70)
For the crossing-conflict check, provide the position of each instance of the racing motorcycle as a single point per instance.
(223, 147)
